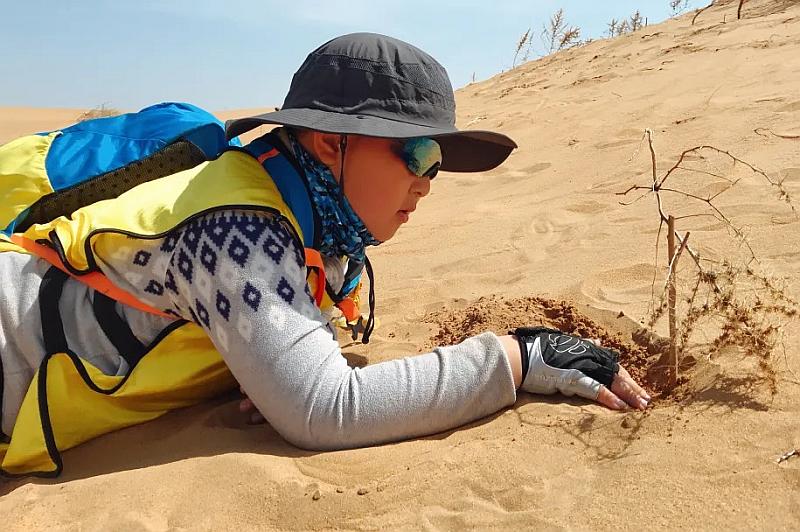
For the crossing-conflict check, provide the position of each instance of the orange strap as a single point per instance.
(314, 260)
(349, 309)
(94, 280)
(347, 305)
(103, 284)
(268, 155)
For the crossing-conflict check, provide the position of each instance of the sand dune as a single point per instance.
(546, 224)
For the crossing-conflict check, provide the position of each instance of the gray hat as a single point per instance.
(377, 86)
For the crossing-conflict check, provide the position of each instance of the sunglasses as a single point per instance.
(423, 156)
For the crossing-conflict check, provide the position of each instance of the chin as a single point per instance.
(386, 233)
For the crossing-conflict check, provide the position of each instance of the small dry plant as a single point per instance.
(738, 10)
(524, 42)
(678, 6)
(557, 34)
(728, 298)
(626, 25)
(100, 111)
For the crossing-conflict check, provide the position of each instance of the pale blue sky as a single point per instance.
(229, 54)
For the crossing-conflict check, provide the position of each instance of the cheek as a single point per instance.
(376, 194)
(377, 207)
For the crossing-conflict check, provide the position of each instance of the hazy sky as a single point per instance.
(228, 54)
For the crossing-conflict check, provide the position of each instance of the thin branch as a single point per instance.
(705, 172)
(649, 134)
(674, 261)
(783, 193)
(700, 11)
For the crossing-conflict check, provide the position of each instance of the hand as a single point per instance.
(559, 362)
(246, 406)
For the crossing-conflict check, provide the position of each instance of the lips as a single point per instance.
(406, 213)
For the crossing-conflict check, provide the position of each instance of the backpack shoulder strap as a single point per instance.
(280, 165)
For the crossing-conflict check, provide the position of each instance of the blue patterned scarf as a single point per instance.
(343, 232)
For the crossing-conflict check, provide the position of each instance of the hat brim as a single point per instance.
(462, 151)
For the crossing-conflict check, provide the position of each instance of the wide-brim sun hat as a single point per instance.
(373, 85)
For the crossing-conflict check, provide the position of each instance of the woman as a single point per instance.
(368, 123)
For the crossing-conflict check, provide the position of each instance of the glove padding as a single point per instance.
(559, 362)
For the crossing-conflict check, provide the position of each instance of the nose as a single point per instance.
(421, 186)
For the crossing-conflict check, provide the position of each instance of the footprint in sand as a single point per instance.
(512, 176)
(541, 234)
(588, 207)
(549, 235)
(619, 286)
(625, 137)
(538, 167)
(789, 107)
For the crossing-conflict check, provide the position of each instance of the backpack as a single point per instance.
(52, 174)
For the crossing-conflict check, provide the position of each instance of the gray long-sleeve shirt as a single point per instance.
(241, 276)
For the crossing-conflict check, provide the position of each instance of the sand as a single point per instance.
(545, 225)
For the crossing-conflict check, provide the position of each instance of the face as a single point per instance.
(380, 186)
(377, 181)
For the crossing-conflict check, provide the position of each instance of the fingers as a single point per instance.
(639, 390)
(256, 418)
(626, 389)
(245, 405)
(610, 400)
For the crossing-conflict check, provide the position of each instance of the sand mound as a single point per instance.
(501, 315)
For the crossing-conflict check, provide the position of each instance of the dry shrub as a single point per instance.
(729, 298)
(627, 25)
(100, 111)
(678, 6)
(558, 34)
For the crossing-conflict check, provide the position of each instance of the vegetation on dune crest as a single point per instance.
(100, 111)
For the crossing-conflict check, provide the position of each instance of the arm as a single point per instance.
(257, 311)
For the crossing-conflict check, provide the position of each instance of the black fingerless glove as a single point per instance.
(555, 361)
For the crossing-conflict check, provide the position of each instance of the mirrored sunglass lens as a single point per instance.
(423, 156)
(432, 171)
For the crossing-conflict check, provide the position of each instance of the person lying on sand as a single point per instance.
(369, 121)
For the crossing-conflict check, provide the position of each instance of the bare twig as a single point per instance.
(700, 11)
(739, 10)
(672, 360)
(782, 192)
(785, 456)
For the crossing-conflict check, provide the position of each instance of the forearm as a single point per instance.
(511, 348)
(319, 402)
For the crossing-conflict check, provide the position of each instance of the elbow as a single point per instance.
(318, 436)
(323, 419)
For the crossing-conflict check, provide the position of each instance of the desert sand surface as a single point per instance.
(547, 224)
